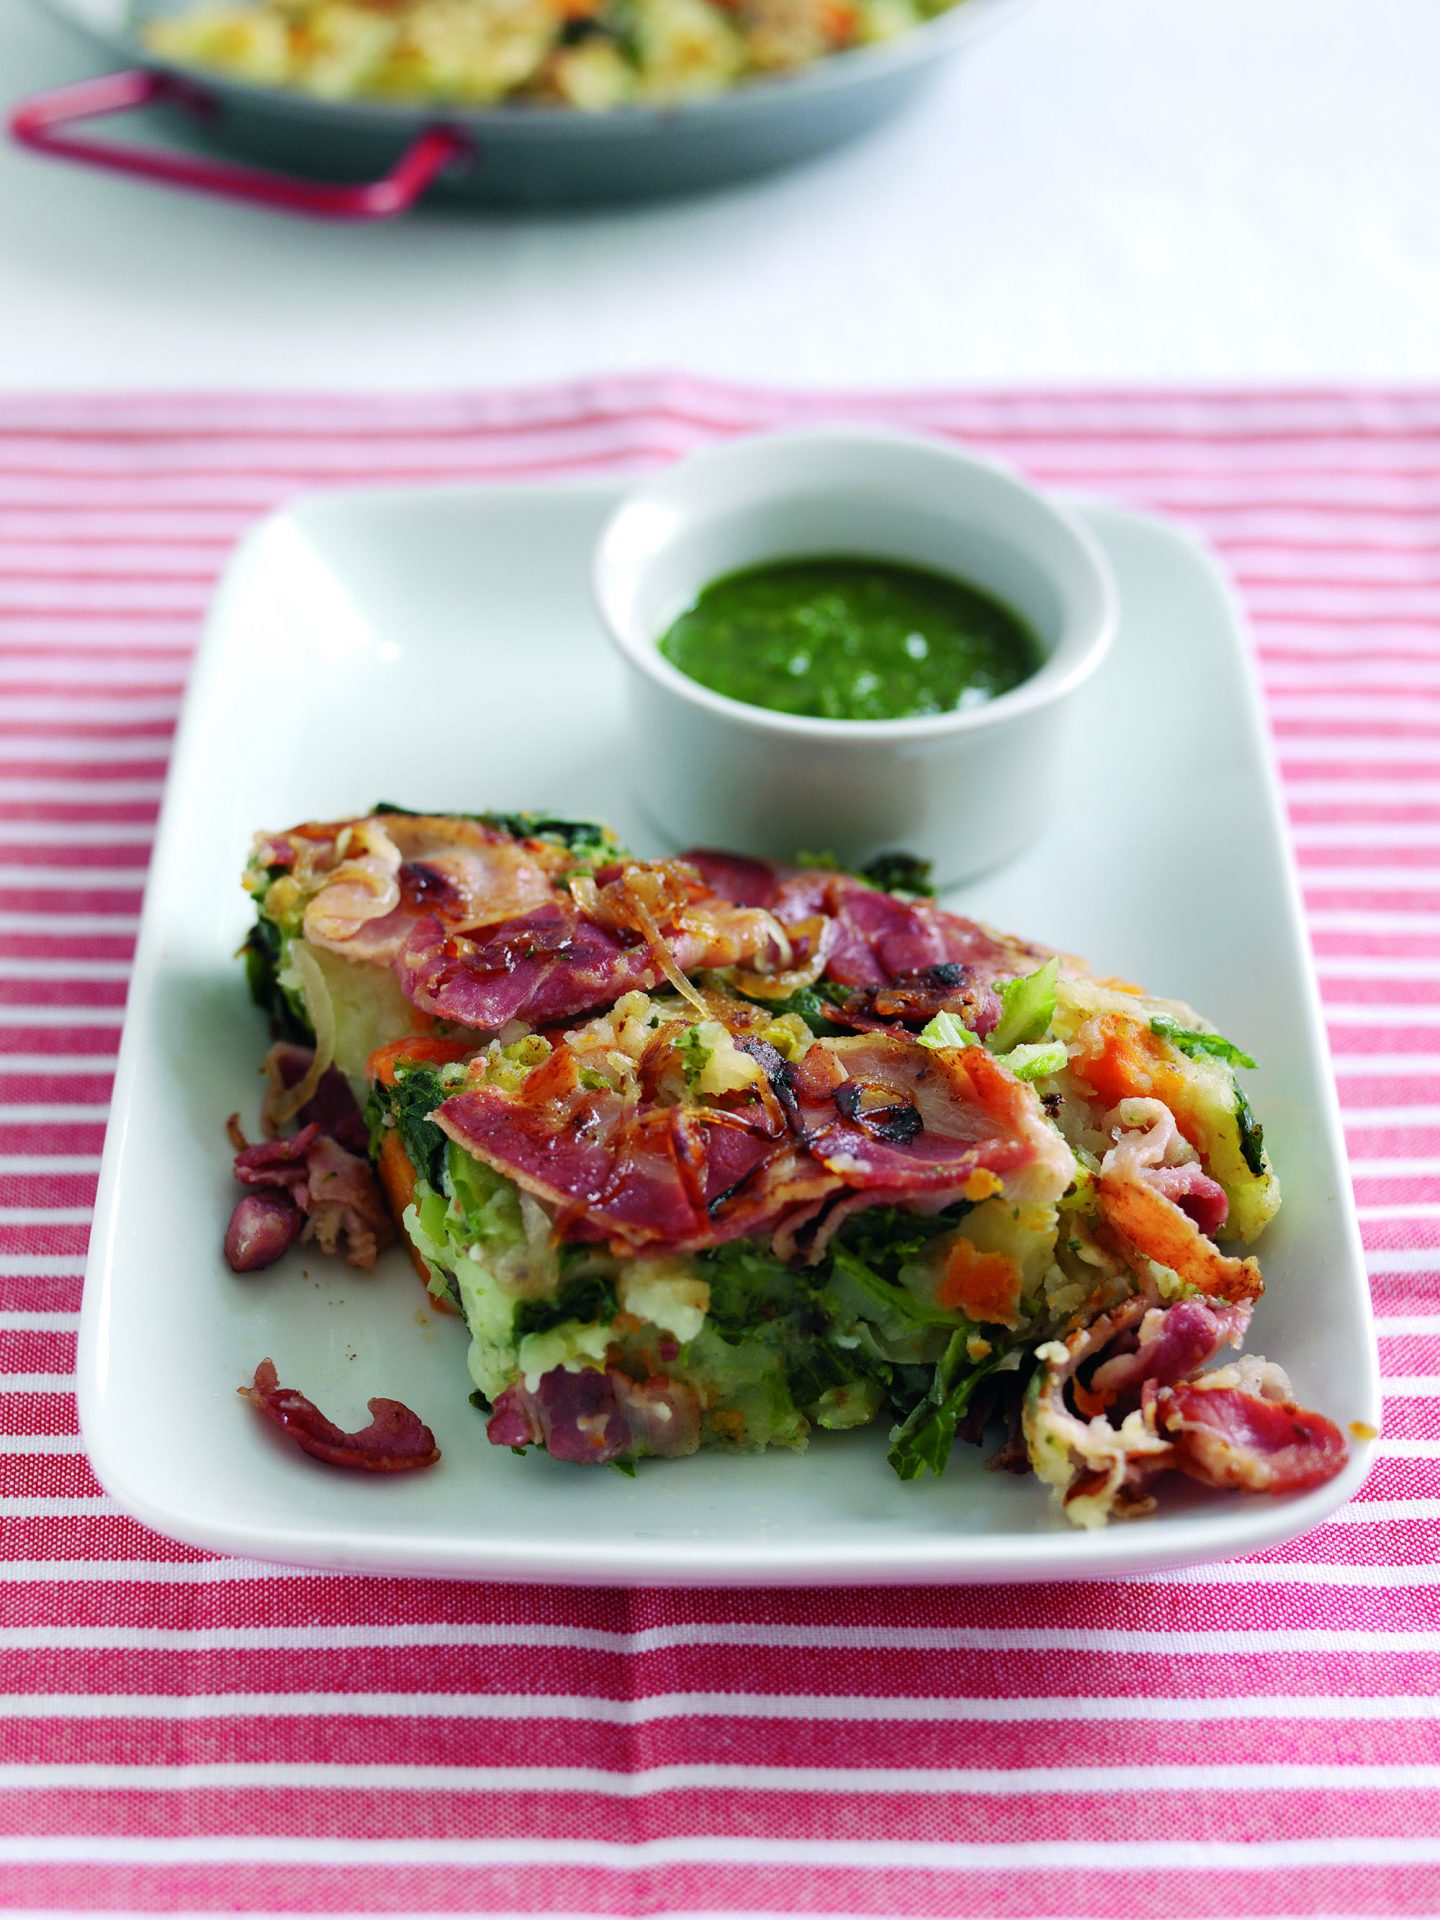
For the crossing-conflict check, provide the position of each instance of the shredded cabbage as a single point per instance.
(1027, 1008)
(946, 1031)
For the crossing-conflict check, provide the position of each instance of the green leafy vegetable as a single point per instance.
(896, 872)
(1190, 1040)
(1252, 1134)
(590, 1300)
(899, 873)
(754, 1296)
(945, 1030)
(263, 962)
(896, 1300)
(1027, 1006)
(925, 1437)
(1035, 1060)
(886, 1237)
(408, 1104)
(750, 1288)
(586, 839)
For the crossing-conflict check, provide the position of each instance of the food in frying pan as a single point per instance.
(710, 1152)
(587, 54)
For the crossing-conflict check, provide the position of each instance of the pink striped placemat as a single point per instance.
(195, 1734)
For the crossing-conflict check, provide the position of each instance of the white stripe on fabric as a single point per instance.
(328, 1776)
(46, 1163)
(643, 1641)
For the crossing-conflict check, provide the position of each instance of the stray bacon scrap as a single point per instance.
(396, 1440)
(310, 1185)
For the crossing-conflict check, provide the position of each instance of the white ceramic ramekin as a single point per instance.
(963, 790)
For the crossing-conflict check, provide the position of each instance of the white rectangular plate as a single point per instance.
(438, 649)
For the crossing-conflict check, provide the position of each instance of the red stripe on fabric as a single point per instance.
(53, 855)
(866, 1815)
(1390, 1890)
(39, 1415)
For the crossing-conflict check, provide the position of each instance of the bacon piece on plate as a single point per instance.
(396, 1440)
(1170, 1344)
(263, 1227)
(333, 1190)
(1229, 1437)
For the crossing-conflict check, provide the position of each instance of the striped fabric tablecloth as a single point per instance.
(186, 1733)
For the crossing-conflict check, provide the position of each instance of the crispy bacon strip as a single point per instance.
(876, 939)
(1152, 1227)
(396, 1441)
(875, 1113)
(1229, 1438)
(382, 873)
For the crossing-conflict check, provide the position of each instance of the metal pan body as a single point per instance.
(532, 156)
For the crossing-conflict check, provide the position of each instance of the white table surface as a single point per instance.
(1108, 190)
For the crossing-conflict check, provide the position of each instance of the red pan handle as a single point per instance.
(39, 122)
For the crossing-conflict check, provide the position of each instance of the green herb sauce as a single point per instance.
(843, 639)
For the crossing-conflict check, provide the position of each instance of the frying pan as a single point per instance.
(315, 151)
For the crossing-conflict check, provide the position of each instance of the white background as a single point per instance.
(1101, 189)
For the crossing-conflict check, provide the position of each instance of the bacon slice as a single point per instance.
(591, 1416)
(1142, 1408)
(387, 871)
(332, 1190)
(1170, 1344)
(332, 1105)
(396, 1441)
(560, 961)
(875, 1113)
(263, 1228)
(879, 1110)
(939, 960)
(1230, 1438)
(1151, 1226)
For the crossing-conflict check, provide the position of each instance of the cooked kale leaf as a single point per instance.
(1190, 1040)
(408, 1105)
(1252, 1134)
(262, 976)
(899, 873)
(924, 1439)
(590, 1300)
